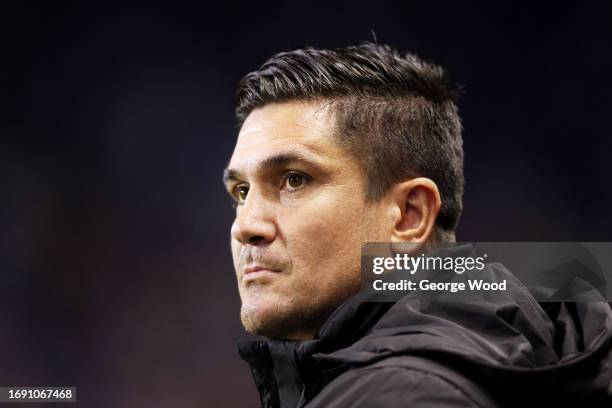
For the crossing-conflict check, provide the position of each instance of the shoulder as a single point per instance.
(401, 382)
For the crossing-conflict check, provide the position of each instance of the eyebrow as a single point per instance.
(274, 161)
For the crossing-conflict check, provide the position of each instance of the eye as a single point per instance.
(295, 181)
(240, 193)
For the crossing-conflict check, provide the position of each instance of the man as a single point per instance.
(346, 146)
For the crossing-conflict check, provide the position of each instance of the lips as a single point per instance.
(257, 268)
(257, 273)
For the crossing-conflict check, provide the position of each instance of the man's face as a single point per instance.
(300, 220)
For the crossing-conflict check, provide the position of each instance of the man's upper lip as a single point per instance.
(257, 268)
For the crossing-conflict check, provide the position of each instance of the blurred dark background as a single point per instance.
(117, 120)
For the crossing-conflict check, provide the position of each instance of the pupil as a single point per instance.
(294, 180)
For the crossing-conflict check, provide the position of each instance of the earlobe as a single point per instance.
(417, 204)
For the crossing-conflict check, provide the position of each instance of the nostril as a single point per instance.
(255, 240)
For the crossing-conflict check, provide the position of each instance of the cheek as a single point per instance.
(326, 238)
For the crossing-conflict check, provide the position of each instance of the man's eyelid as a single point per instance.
(288, 173)
(231, 183)
(298, 172)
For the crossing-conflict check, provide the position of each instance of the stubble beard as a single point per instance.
(298, 316)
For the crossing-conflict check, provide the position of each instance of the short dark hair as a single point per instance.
(396, 113)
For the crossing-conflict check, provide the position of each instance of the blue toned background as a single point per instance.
(117, 120)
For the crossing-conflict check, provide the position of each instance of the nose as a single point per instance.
(254, 223)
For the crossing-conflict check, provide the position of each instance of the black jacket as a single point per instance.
(503, 350)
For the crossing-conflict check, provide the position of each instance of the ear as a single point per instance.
(416, 204)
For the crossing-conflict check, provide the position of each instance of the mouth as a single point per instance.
(253, 272)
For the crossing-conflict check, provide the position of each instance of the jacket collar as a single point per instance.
(288, 373)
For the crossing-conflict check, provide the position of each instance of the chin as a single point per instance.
(263, 316)
(277, 318)
(288, 318)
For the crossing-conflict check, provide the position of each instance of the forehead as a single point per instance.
(284, 128)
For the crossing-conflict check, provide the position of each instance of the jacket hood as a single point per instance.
(506, 336)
